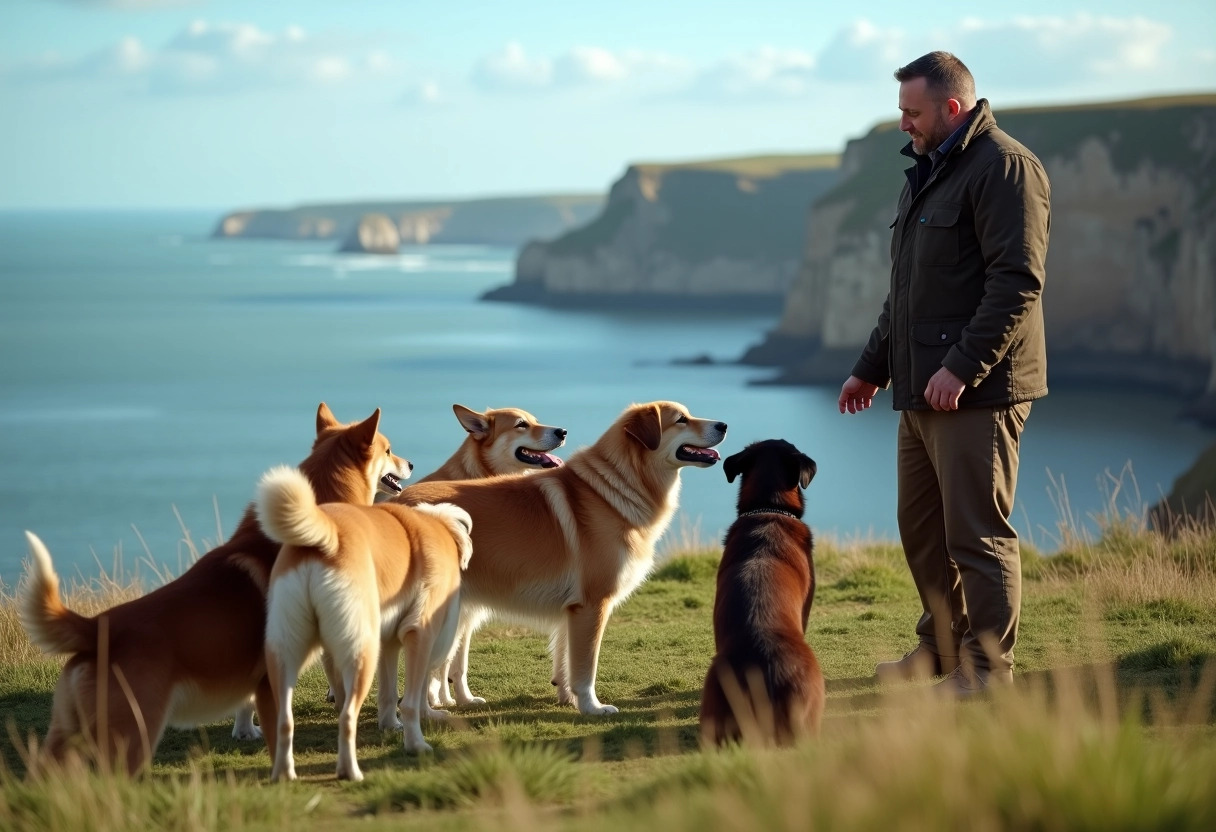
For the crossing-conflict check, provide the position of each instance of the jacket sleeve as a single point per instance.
(874, 365)
(1012, 209)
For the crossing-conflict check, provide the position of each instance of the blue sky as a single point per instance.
(218, 104)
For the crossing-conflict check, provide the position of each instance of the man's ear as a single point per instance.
(736, 464)
(325, 418)
(807, 470)
(365, 432)
(646, 426)
(475, 423)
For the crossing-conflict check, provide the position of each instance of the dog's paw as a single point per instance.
(472, 702)
(437, 715)
(565, 697)
(418, 747)
(246, 732)
(329, 696)
(448, 702)
(390, 723)
(599, 710)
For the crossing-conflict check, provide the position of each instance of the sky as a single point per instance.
(220, 105)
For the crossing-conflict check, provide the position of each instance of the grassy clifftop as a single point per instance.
(1160, 131)
(747, 208)
(1110, 724)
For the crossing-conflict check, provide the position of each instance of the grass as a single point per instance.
(1111, 725)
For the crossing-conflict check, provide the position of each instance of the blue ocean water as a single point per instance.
(150, 374)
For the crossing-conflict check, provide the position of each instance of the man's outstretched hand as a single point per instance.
(856, 395)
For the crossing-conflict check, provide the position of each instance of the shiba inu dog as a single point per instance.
(500, 441)
(560, 548)
(348, 579)
(191, 651)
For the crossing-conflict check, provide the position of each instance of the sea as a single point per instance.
(150, 373)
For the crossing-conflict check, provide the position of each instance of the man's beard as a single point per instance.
(932, 140)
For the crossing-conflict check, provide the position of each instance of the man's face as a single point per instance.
(926, 120)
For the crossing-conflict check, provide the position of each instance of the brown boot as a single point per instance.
(964, 682)
(917, 664)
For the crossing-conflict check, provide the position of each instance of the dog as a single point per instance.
(191, 650)
(764, 681)
(503, 441)
(347, 579)
(500, 441)
(561, 548)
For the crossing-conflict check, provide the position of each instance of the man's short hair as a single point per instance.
(945, 76)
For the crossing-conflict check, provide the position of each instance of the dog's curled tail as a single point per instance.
(288, 512)
(52, 626)
(459, 523)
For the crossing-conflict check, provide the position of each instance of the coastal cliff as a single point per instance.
(1131, 269)
(723, 233)
(504, 221)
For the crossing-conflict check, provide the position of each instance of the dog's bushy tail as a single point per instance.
(459, 523)
(52, 626)
(288, 512)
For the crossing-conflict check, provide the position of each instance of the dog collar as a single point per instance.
(770, 511)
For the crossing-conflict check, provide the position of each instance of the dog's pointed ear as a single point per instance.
(365, 432)
(475, 423)
(325, 418)
(806, 471)
(735, 464)
(646, 426)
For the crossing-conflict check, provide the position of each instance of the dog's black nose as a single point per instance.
(560, 433)
(721, 426)
(409, 466)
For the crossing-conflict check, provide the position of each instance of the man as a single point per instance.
(960, 342)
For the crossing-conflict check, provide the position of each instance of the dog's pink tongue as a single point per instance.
(551, 461)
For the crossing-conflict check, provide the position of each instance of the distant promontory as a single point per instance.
(725, 233)
(500, 221)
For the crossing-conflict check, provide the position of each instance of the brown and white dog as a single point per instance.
(348, 579)
(191, 651)
(560, 548)
(500, 441)
(764, 684)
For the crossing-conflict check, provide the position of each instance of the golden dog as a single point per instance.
(562, 547)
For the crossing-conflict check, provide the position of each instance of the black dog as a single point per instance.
(765, 681)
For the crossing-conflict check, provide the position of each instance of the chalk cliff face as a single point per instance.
(725, 233)
(374, 234)
(1131, 268)
(506, 221)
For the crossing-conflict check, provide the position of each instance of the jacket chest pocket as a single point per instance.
(937, 234)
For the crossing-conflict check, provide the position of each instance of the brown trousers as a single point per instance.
(958, 471)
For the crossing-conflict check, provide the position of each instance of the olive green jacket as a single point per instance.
(967, 273)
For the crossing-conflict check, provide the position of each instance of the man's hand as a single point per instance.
(856, 395)
(943, 390)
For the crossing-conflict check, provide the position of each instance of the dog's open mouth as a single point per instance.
(391, 484)
(538, 458)
(691, 453)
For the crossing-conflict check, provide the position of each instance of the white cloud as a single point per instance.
(207, 57)
(423, 93)
(512, 68)
(863, 52)
(1040, 51)
(760, 74)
